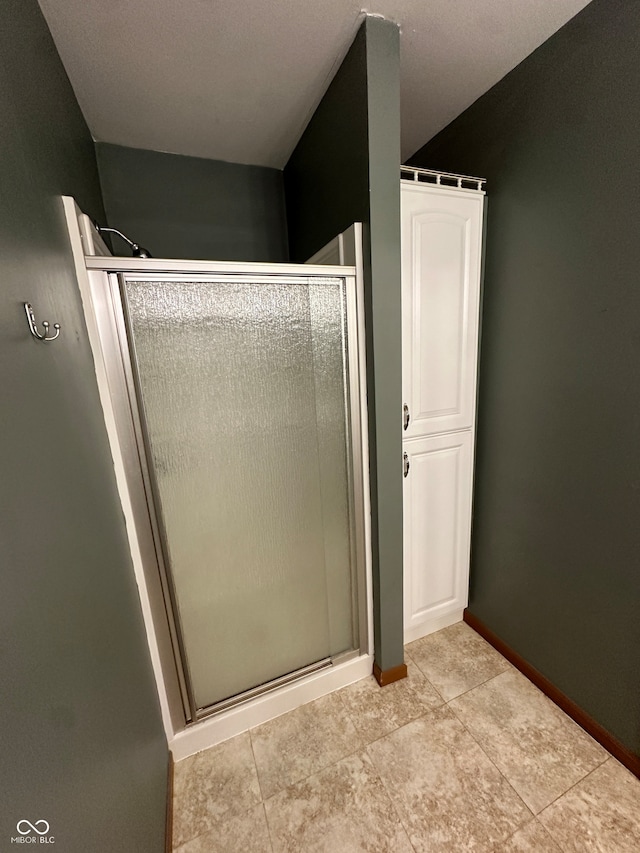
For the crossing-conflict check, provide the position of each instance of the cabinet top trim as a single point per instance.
(442, 179)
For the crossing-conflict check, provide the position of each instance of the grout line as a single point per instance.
(266, 820)
(493, 764)
(541, 825)
(358, 749)
(551, 834)
(464, 692)
(347, 710)
(509, 837)
(426, 678)
(488, 645)
(586, 776)
(286, 787)
(475, 686)
(255, 764)
(391, 800)
(362, 748)
(535, 814)
(425, 710)
(189, 841)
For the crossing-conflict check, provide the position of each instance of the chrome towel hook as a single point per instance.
(34, 329)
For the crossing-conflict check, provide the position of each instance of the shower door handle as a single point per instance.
(407, 464)
(406, 416)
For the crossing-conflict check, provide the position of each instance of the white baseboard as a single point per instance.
(430, 626)
(229, 723)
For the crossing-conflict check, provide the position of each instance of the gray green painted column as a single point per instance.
(345, 169)
(385, 323)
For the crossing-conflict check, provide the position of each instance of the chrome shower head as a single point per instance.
(139, 251)
(136, 250)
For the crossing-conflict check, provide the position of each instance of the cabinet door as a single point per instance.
(437, 522)
(441, 245)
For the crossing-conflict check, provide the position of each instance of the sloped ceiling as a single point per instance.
(238, 81)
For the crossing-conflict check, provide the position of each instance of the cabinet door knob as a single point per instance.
(407, 464)
(406, 416)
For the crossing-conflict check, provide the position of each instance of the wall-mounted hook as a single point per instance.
(34, 329)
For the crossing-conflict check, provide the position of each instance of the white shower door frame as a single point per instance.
(187, 731)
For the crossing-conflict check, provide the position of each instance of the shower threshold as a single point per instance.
(282, 681)
(254, 692)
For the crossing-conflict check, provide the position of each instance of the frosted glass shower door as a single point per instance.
(243, 393)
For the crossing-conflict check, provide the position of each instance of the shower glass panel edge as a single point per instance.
(352, 449)
(153, 517)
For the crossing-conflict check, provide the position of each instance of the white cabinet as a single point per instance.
(441, 243)
(437, 512)
(441, 258)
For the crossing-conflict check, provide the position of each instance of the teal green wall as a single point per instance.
(344, 169)
(189, 207)
(82, 744)
(556, 539)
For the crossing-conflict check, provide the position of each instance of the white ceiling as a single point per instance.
(238, 80)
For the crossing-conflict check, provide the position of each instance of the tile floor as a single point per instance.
(464, 754)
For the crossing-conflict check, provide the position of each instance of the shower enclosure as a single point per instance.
(237, 400)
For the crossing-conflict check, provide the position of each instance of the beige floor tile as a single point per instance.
(343, 809)
(421, 685)
(376, 711)
(456, 659)
(449, 795)
(538, 748)
(245, 833)
(219, 782)
(303, 742)
(601, 813)
(429, 774)
(532, 838)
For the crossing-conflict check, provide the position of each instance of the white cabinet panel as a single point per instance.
(441, 244)
(437, 523)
